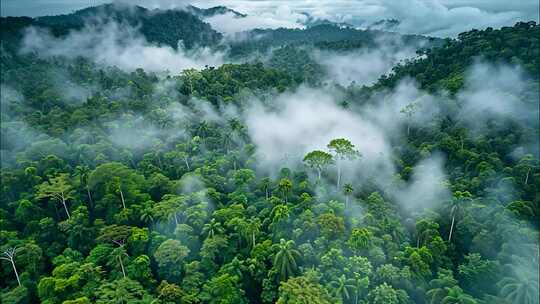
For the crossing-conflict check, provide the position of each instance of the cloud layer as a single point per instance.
(118, 45)
(431, 17)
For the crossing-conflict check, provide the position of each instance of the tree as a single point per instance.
(285, 260)
(251, 230)
(303, 290)
(116, 186)
(212, 228)
(318, 160)
(192, 76)
(331, 225)
(118, 253)
(456, 296)
(223, 289)
(169, 293)
(343, 287)
(386, 294)
(57, 188)
(279, 214)
(409, 111)
(343, 149)
(476, 273)
(169, 208)
(170, 257)
(347, 190)
(266, 183)
(18, 295)
(360, 238)
(440, 286)
(285, 186)
(9, 255)
(458, 200)
(516, 290)
(121, 291)
(83, 172)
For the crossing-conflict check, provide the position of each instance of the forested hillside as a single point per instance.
(267, 179)
(158, 26)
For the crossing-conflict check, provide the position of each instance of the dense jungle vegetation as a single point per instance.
(118, 186)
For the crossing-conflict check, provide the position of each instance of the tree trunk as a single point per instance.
(253, 239)
(65, 206)
(187, 164)
(159, 161)
(346, 201)
(89, 196)
(319, 174)
(451, 226)
(527, 176)
(15, 270)
(122, 266)
(175, 219)
(122, 197)
(338, 176)
(266, 190)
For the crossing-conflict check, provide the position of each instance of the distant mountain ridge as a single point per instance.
(163, 27)
(213, 11)
(325, 35)
(168, 27)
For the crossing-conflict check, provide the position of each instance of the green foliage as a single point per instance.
(302, 290)
(150, 189)
(170, 257)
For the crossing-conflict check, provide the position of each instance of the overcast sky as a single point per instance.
(431, 17)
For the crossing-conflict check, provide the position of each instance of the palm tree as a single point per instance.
(523, 291)
(266, 183)
(440, 286)
(457, 296)
(212, 228)
(253, 228)
(285, 185)
(524, 288)
(147, 216)
(359, 285)
(348, 190)
(279, 213)
(285, 259)
(342, 286)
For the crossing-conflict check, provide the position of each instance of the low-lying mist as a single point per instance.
(116, 44)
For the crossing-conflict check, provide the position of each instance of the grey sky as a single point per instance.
(432, 17)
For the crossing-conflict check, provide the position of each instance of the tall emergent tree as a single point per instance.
(57, 188)
(9, 255)
(318, 160)
(343, 150)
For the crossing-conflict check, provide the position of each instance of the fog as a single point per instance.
(120, 45)
(444, 18)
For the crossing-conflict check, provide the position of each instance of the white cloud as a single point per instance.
(497, 92)
(229, 23)
(430, 17)
(118, 45)
(363, 66)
